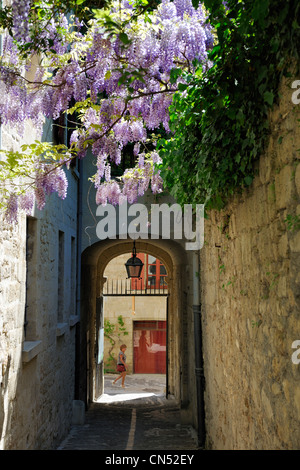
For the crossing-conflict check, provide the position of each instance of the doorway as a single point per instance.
(149, 347)
(94, 287)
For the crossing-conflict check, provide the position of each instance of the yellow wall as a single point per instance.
(131, 308)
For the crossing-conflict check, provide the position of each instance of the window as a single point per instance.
(156, 273)
(61, 276)
(31, 276)
(58, 130)
(153, 274)
(128, 161)
(62, 129)
(73, 277)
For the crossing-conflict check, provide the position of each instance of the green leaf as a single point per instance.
(174, 74)
(260, 10)
(124, 38)
(182, 86)
(248, 180)
(269, 97)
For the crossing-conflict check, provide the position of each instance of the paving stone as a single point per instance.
(140, 423)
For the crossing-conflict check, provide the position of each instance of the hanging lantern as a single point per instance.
(134, 265)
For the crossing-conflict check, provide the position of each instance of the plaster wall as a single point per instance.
(132, 308)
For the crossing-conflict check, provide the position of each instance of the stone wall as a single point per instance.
(250, 286)
(37, 368)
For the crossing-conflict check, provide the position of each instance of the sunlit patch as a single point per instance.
(123, 397)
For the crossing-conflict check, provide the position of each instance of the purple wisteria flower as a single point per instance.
(20, 12)
(11, 213)
(26, 201)
(125, 90)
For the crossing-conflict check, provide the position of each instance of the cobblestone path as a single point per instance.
(136, 418)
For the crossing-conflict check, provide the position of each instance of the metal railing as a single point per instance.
(123, 287)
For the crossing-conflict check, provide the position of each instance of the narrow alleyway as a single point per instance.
(138, 417)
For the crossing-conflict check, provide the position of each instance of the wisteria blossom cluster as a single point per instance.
(47, 180)
(20, 13)
(122, 85)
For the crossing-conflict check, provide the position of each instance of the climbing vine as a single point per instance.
(111, 72)
(207, 74)
(113, 333)
(219, 118)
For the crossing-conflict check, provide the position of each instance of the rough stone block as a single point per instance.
(295, 242)
(297, 400)
(265, 168)
(297, 179)
(281, 287)
(284, 187)
(283, 246)
(78, 412)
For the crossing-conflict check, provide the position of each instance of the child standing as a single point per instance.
(121, 365)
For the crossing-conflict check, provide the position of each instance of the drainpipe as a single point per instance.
(78, 287)
(79, 234)
(199, 371)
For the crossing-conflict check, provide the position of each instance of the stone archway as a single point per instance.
(177, 262)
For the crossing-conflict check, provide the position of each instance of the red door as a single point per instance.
(149, 347)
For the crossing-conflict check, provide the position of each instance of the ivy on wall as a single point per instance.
(219, 118)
